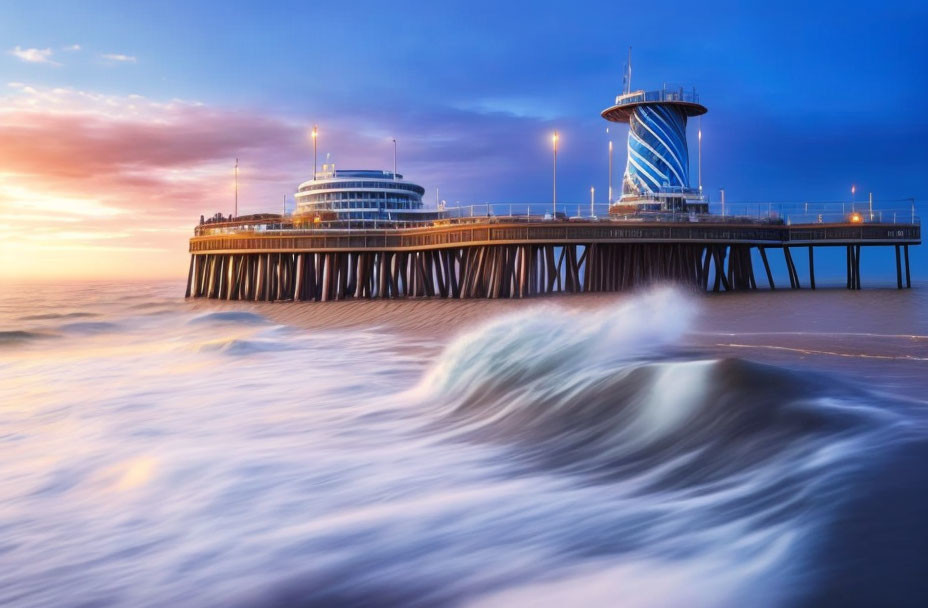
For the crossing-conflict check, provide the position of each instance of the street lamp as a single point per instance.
(592, 198)
(315, 136)
(699, 156)
(554, 141)
(610, 170)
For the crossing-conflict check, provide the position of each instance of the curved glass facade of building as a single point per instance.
(657, 173)
(657, 153)
(355, 195)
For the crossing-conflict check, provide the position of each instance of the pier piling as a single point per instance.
(516, 260)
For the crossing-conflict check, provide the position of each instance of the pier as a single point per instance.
(518, 257)
(366, 234)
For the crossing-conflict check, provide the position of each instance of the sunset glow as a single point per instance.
(116, 137)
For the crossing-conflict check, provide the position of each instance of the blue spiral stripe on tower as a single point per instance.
(657, 150)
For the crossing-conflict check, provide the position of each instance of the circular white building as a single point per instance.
(358, 195)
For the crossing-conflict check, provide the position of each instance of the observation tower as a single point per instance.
(657, 176)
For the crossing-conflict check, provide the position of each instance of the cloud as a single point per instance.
(78, 168)
(71, 48)
(85, 165)
(34, 55)
(118, 58)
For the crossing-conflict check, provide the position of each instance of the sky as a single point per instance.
(120, 122)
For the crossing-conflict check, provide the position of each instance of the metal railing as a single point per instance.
(461, 235)
(664, 94)
(898, 212)
(880, 212)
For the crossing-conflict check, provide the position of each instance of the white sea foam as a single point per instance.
(553, 456)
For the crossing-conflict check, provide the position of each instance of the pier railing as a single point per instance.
(506, 251)
(552, 233)
(672, 93)
(883, 212)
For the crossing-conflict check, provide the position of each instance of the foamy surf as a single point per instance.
(561, 455)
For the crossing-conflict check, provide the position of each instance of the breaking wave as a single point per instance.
(612, 388)
(718, 460)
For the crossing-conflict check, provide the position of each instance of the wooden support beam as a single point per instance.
(201, 275)
(908, 276)
(732, 257)
(705, 268)
(791, 267)
(298, 286)
(326, 276)
(811, 267)
(898, 269)
(848, 267)
(857, 267)
(189, 277)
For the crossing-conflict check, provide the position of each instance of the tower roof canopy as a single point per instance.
(687, 101)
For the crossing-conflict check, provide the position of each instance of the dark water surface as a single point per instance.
(665, 450)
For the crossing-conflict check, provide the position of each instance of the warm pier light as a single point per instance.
(554, 194)
(856, 218)
(315, 135)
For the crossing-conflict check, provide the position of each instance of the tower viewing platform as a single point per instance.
(686, 100)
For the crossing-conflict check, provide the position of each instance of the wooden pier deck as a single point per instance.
(513, 259)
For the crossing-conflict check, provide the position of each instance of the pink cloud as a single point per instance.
(88, 173)
(84, 171)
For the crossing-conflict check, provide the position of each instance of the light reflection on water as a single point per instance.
(152, 453)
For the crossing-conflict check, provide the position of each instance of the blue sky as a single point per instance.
(804, 99)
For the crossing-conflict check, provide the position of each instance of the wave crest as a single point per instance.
(596, 391)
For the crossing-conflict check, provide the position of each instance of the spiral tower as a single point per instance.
(657, 171)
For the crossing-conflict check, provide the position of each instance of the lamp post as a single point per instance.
(394, 159)
(699, 156)
(592, 198)
(554, 198)
(236, 187)
(315, 136)
(610, 170)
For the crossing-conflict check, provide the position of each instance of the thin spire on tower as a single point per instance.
(627, 77)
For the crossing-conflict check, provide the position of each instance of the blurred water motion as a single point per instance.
(153, 453)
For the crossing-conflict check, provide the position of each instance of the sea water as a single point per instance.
(663, 449)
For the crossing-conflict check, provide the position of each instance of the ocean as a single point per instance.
(657, 448)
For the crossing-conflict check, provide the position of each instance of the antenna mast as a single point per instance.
(627, 80)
